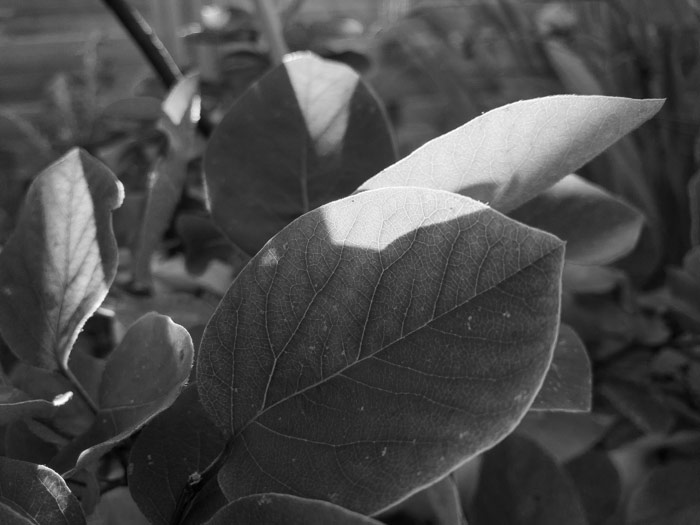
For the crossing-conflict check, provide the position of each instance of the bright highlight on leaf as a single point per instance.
(35, 495)
(510, 154)
(60, 261)
(307, 133)
(377, 343)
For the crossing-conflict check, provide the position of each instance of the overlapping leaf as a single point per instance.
(307, 133)
(290, 510)
(377, 343)
(510, 154)
(58, 264)
(567, 386)
(35, 495)
(142, 377)
(598, 227)
(179, 442)
(520, 483)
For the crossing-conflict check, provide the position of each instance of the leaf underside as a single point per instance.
(377, 343)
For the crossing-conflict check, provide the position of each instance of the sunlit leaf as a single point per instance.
(36, 495)
(57, 266)
(511, 154)
(290, 510)
(520, 483)
(598, 227)
(567, 385)
(377, 343)
(176, 444)
(307, 133)
(142, 377)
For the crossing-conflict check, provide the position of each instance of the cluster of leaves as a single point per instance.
(398, 321)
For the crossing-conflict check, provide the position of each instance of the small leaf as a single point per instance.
(598, 483)
(142, 377)
(168, 178)
(307, 133)
(15, 404)
(57, 266)
(290, 510)
(567, 385)
(597, 226)
(177, 443)
(35, 494)
(376, 344)
(510, 154)
(522, 484)
(668, 496)
(637, 404)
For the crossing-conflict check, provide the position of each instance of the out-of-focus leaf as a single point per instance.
(694, 198)
(565, 435)
(570, 68)
(176, 444)
(142, 377)
(520, 483)
(638, 405)
(668, 496)
(290, 510)
(377, 343)
(35, 495)
(117, 507)
(307, 133)
(168, 178)
(203, 242)
(684, 298)
(509, 155)
(57, 266)
(23, 444)
(445, 500)
(591, 279)
(567, 385)
(597, 226)
(598, 484)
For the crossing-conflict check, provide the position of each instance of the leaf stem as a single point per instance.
(272, 28)
(147, 41)
(79, 388)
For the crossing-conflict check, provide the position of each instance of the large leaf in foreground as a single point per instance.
(142, 377)
(290, 510)
(58, 264)
(307, 133)
(598, 227)
(510, 154)
(36, 495)
(377, 343)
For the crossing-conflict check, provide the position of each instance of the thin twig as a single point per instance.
(147, 41)
(79, 388)
(272, 28)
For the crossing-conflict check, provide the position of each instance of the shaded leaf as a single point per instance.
(567, 386)
(176, 444)
(598, 227)
(15, 404)
(35, 494)
(142, 377)
(598, 484)
(668, 496)
(117, 507)
(58, 264)
(638, 404)
(591, 279)
(445, 501)
(522, 484)
(570, 68)
(23, 444)
(307, 133)
(203, 242)
(510, 154)
(167, 180)
(694, 201)
(290, 510)
(378, 343)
